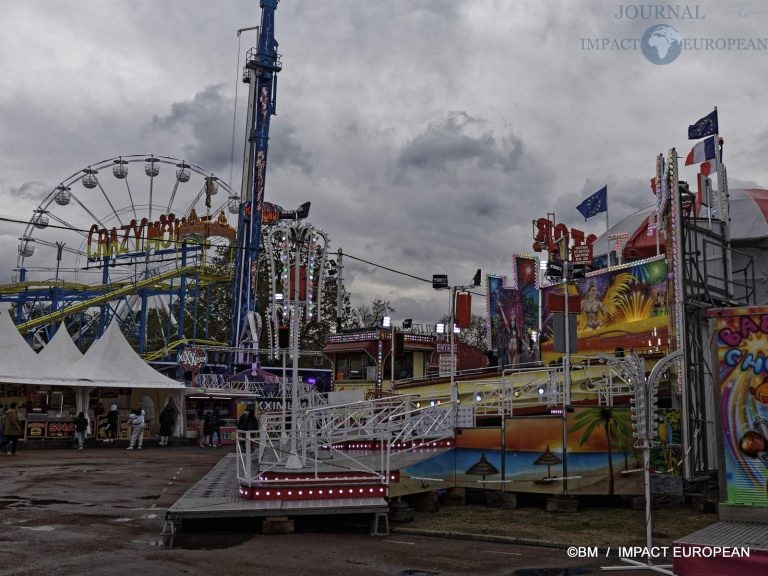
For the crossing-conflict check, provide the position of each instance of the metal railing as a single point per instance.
(392, 424)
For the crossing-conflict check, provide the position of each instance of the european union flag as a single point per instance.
(595, 204)
(707, 126)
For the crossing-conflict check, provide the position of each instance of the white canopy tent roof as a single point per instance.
(16, 356)
(109, 363)
(61, 351)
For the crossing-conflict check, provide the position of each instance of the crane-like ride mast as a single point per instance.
(261, 67)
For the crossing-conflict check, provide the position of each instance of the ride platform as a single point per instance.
(723, 548)
(219, 494)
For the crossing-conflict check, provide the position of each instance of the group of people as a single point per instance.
(211, 425)
(11, 427)
(137, 423)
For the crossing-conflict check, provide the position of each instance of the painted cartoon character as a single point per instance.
(754, 443)
(760, 392)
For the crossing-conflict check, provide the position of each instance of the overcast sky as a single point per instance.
(427, 134)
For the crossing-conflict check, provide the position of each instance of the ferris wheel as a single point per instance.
(122, 235)
(122, 212)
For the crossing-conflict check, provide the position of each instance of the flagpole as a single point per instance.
(659, 174)
(722, 185)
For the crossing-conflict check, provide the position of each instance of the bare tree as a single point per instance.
(477, 333)
(371, 315)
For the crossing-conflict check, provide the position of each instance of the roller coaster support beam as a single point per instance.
(105, 298)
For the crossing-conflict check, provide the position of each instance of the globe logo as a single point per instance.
(661, 44)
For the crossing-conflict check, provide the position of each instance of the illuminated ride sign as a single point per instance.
(548, 234)
(270, 213)
(136, 237)
(192, 358)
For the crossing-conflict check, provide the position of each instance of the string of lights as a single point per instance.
(234, 247)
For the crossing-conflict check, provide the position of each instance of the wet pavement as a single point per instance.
(101, 511)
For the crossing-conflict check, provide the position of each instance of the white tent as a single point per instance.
(61, 351)
(110, 362)
(16, 357)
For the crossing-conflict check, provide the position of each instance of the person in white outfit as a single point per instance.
(136, 422)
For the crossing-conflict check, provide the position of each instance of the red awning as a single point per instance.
(424, 346)
(368, 347)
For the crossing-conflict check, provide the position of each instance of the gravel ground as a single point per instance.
(591, 526)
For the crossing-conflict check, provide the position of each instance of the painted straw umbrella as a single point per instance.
(549, 459)
(482, 468)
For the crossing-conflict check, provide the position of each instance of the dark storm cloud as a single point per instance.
(285, 149)
(34, 191)
(449, 143)
(205, 122)
(453, 197)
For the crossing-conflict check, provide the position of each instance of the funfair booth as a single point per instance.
(51, 387)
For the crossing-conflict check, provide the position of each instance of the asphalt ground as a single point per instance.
(101, 511)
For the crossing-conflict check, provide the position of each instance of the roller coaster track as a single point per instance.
(172, 346)
(115, 292)
(33, 285)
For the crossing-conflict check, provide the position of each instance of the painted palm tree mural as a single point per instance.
(547, 459)
(614, 423)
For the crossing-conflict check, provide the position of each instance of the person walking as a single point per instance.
(12, 429)
(113, 423)
(247, 422)
(2, 423)
(136, 420)
(81, 428)
(205, 440)
(215, 425)
(167, 420)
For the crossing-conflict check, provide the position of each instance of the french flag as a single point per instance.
(701, 152)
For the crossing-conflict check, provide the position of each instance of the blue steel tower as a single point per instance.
(261, 67)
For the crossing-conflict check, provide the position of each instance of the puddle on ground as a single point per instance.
(577, 571)
(39, 528)
(152, 497)
(189, 541)
(11, 502)
(419, 573)
(147, 542)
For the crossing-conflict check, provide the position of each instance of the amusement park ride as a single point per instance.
(152, 249)
(86, 249)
